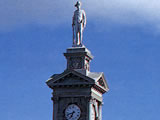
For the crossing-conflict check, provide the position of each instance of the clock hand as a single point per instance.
(69, 115)
(72, 114)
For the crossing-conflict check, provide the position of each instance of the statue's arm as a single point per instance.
(84, 19)
(73, 20)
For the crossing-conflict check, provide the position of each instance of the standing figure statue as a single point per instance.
(78, 24)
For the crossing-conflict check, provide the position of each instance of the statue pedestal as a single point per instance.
(78, 59)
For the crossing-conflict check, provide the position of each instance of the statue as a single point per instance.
(78, 24)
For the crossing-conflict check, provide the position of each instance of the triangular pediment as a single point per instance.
(69, 77)
(100, 81)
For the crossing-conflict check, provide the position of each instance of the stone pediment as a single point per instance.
(74, 78)
(100, 81)
(69, 77)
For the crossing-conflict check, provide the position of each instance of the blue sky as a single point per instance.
(122, 35)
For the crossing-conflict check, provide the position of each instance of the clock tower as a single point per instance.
(77, 92)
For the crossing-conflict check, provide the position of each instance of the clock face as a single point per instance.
(93, 113)
(72, 112)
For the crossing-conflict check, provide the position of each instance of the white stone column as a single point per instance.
(100, 110)
(90, 102)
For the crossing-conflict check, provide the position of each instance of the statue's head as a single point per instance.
(78, 5)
